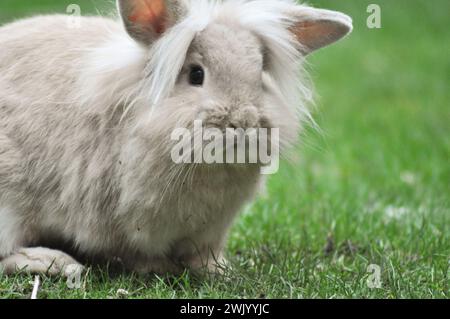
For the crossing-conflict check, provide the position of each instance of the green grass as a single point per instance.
(371, 188)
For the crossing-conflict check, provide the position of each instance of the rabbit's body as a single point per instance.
(84, 162)
(67, 171)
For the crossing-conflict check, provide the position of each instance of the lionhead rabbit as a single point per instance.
(87, 114)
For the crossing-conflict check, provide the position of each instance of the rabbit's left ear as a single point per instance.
(147, 20)
(317, 28)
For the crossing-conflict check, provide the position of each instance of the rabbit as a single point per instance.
(87, 113)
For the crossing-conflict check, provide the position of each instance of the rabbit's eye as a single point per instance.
(196, 75)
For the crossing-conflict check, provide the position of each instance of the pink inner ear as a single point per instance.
(150, 13)
(315, 34)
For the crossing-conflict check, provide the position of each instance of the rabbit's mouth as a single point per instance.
(224, 117)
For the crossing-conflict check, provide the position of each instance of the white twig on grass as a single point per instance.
(35, 287)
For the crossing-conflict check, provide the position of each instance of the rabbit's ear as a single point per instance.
(317, 28)
(147, 20)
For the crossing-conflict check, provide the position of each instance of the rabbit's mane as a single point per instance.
(268, 19)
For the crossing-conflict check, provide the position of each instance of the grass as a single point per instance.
(371, 188)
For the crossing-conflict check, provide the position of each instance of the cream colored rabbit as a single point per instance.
(86, 116)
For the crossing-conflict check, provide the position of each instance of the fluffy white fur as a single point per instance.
(266, 18)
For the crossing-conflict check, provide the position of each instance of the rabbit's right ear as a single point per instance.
(147, 20)
(318, 28)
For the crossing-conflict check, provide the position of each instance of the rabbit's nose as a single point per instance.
(244, 117)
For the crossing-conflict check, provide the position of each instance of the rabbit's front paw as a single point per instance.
(211, 264)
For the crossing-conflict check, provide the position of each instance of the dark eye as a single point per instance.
(196, 75)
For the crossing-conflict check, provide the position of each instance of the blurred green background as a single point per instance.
(372, 187)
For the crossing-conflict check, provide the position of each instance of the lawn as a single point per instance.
(369, 189)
